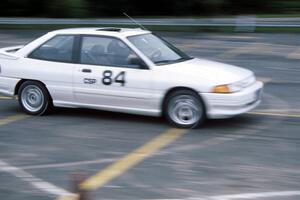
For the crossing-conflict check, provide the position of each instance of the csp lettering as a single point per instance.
(89, 81)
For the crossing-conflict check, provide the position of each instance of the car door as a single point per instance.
(105, 77)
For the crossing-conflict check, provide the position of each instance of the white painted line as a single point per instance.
(259, 195)
(34, 181)
(69, 164)
(253, 195)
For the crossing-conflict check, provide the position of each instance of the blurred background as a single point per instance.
(114, 8)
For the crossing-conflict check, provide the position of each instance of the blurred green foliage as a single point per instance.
(111, 8)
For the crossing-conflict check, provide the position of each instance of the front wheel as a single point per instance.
(184, 109)
(34, 98)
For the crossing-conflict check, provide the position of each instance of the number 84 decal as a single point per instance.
(108, 79)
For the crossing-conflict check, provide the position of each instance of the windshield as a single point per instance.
(158, 50)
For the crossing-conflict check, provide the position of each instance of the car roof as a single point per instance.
(107, 31)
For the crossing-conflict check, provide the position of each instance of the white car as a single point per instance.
(124, 70)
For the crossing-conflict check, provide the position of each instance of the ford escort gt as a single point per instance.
(124, 70)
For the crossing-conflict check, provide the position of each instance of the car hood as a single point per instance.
(214, 72)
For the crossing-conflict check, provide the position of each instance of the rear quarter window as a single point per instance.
(59, 48)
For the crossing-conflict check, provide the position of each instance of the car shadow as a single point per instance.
(235, 122)
(238, 121)
(106, 115)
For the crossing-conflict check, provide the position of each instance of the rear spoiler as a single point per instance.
(8, 52)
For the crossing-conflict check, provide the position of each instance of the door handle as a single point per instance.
(86, 70)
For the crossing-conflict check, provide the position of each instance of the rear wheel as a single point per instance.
(34, 98)
(184, 109)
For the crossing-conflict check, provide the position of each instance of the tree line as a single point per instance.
(115, 8)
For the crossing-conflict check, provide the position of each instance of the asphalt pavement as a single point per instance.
(252, 156)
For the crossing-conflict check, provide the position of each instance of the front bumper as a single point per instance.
(228, 105)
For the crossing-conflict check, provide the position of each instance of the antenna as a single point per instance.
(137, 23)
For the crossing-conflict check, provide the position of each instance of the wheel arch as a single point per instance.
(171, 90)
(25, 80)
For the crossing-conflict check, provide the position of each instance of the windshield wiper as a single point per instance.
(164, 61)
(171, 61)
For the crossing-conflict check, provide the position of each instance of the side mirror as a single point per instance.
(134, 60)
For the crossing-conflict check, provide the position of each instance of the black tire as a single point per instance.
(26, 98)
(188, 101)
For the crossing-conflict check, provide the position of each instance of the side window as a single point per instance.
(97, 50)
(58, 49)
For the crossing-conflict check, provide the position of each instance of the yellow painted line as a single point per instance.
(192, 45)
(236, 37)
(255, 48)
(132, 159)
(129, 161)
(275, 114)
(1, 97)
(294, 55)
(12, 119)
(71, 197)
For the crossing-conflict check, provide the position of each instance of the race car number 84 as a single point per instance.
(108, 78)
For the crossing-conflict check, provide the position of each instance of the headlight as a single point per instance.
(234, 87)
